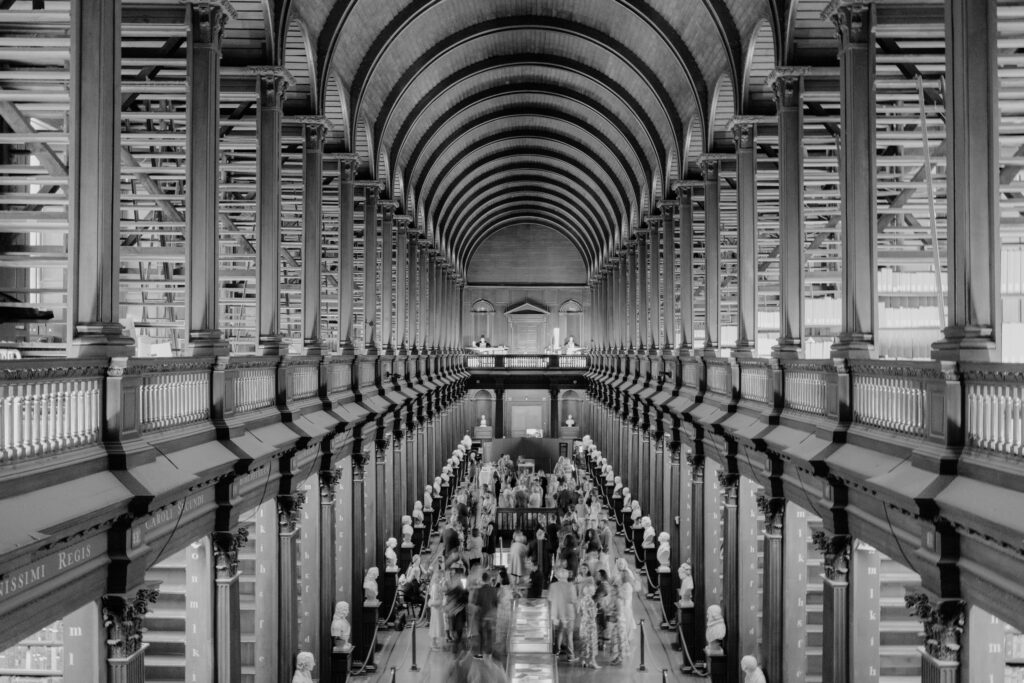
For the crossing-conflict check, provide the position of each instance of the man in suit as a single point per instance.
(482, 343)
(540, 553)
(487, 613)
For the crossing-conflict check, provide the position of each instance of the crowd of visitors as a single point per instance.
(569, 561)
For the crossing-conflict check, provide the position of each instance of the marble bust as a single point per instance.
(635, 513)
(664, 552)
(752, 673)
(341, 630)
(428, 498)
(649, 535)
(370, 588)
(569, 422)
(714, 633)
(407, 531)
(483, 420)
(304, 664)
(390, 556)
(417, 513)
(685, 586)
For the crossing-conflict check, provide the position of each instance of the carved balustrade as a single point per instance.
(719, 374)
(891, 395)
(756, 380)
(995, 407)
(303, 377)
(49, 406)
(175, 391)
(255, 383)
(805, 386)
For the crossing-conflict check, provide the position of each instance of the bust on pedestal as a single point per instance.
(368, 622)
(714, 633)
(663, 577)
(685, 616)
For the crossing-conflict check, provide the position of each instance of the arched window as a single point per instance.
(481, 315)
(570, 320)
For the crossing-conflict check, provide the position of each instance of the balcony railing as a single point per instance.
(49, 406)
(527, 362)
(891, 395)
(995, 407)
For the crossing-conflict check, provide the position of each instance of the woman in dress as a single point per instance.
(611, 605)
(504, 622)
(435, 601)
(628, 584)
(586, 618)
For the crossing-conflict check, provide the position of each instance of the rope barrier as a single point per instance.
(687, 659)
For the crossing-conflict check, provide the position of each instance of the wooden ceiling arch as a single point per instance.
(583, 108)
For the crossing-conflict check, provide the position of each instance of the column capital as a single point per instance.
(329, 480)
(289, 511)
(943, 622)
(835, 549)
(711, 164)
(123, 617)
(403, 222)
(729, 483)
(347, 164)
(744, 129)
(372, 188)
(208, 19)
(225, 551)
(388, 208)
(696, 464)
(272, 83)
(852, 19)
(774, 511)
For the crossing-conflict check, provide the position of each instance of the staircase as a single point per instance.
(165, 658)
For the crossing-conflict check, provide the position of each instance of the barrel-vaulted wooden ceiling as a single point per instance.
(576, 115)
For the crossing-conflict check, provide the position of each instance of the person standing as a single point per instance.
(562, 596)
(586, 617)
(486, 613)
(540, 553)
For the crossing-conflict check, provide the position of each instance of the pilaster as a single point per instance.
(788, 87)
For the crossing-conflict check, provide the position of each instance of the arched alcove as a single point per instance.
(481, 315)
(570, 322)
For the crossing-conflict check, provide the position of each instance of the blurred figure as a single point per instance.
(586, 617)
(562, 596)
(486, 612)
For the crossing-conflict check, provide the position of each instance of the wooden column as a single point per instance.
(124, 618)
(698, 563)
(329, 480)
(710, 166)
(94, 182)
(414, 302)
(835, 644)
(655, 318)
(669, 213)
(387, 338)
(973, 161)
(554, 418)
(314, 130)
(370, 232)
(643, 280)
(272, 84)
(402, 308)
(729, 485)
(746, 249)
(772, 583)
(630, 294)
(206, 27)
(788, 89)
(227, 610)
(346, 254)
(289, 514)
(685, 194)
(356, 561)
(857, 180)
(943, 621)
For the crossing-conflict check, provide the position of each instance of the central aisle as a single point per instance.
(435, 666)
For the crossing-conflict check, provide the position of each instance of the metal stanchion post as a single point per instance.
(643, 649)
(414, 667)
(664, 676)
(394, 675)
